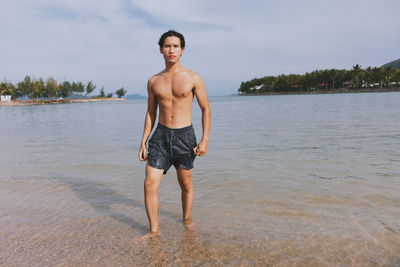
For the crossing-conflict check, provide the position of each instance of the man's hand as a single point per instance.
(200, 149)
(142, 153)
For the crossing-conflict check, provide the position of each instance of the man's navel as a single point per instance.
(171, 118)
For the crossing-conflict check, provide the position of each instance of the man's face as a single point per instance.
(171, 49)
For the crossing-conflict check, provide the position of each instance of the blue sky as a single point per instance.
(114, 43)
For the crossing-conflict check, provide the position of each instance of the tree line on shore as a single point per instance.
(50, 88)
(325, 80)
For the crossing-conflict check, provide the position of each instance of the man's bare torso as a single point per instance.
(174, 95)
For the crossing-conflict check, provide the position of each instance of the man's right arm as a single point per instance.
(149, 120)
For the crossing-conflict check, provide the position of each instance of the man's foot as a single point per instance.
(140, 239)
(189, 224)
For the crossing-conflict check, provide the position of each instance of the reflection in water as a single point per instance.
(180, 250)
(101, 198)
(192, 250)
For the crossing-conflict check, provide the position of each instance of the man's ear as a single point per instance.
(183, 49)
(160, 49)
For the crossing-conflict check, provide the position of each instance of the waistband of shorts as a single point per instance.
(175, 130)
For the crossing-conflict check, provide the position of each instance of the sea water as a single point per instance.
(309, 180)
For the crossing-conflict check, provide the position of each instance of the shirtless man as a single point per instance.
(173, 142)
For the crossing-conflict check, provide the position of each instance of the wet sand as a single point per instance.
(68, 221)
(55, 101)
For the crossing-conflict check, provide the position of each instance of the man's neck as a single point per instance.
(172, 67)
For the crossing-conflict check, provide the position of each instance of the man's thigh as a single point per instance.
(153, 175)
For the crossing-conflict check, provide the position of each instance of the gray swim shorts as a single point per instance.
(168, 147)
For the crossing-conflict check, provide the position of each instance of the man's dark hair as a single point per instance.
(171, 33)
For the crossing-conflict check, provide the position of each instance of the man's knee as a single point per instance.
(151, 185)
(186, 182)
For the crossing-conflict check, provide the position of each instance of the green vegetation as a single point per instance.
(120, 92)
(102, 92)
(50, 89)
(395, 64)
(333, 80)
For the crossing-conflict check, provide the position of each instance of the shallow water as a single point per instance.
(309, 180)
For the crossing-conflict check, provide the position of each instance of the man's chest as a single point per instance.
(167, 87)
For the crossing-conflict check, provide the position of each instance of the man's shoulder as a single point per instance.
(184, 71)
(194, 75)
(153, 78)
(157, 75)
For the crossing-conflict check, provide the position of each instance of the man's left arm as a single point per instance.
(202, 99)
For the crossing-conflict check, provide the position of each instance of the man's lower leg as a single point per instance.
(187, 201)
(151, 184)
(151, 202)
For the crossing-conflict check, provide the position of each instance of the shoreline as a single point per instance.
(55, 101)
(317, 92)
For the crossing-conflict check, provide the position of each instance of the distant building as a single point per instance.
(257, 87)
(348, 84)
(5, 98)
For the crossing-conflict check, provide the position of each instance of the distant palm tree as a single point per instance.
(90, 87)
(356, 72)
(389, 73)
(368, 76)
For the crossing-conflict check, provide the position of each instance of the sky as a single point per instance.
(114, 43)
